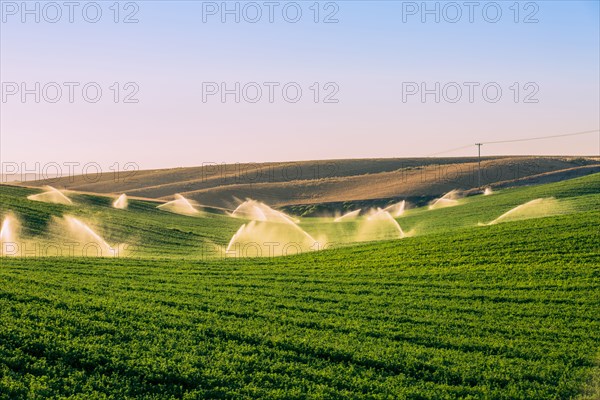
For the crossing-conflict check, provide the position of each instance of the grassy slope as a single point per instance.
(576, 195)
(157, 233)
(504, 311)
(152, 231)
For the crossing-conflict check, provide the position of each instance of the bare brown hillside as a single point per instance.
(311, 182)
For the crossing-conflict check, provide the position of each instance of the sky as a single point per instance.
(346, 79)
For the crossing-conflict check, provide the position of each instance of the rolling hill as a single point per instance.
(316, 182)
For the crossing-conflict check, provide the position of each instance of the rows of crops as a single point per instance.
(510, 311)
(503, 314)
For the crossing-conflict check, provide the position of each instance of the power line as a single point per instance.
(515, 140)
(507, 141)
(451, 150)
(542, 137)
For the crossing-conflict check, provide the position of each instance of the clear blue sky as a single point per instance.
(370, 55)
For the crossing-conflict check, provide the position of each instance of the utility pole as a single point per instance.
(479, 157)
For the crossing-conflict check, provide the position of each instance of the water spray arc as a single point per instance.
(379, 225)
(86, 239)
(269, 233)
(536, 208)
(258, 211)
(180, 205)
(348, 216)
(9, 238)
(51, 195)
(450, 199)
(396, 210)
(121, 202)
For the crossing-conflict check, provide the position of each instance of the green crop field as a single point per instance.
(455, 311)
